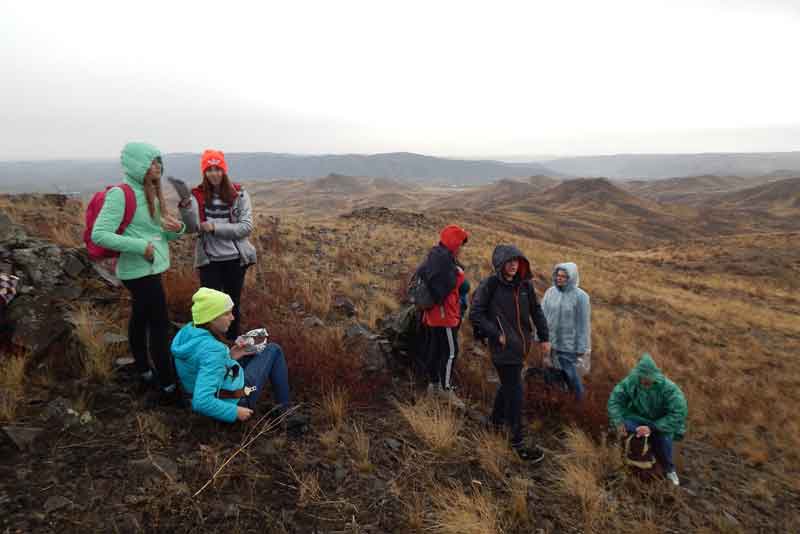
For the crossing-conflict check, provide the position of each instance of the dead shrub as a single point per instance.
(96, 355)
(334, 406)
(12, 376)
(436, 423)
(494, 454)
(361, 443)
(458, 512)
(180, 284)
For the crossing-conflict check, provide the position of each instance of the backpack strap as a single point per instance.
(130, 207)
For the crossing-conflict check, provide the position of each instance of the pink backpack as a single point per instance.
(96, 252)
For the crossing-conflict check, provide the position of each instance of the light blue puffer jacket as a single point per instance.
(569, 313)
(204, 367)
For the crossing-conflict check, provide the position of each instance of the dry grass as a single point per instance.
(458, 512)
(361, 445)
(308, 489)
(334, 406)
(518, 507)
(415, 511)
(494, 454)
(96, 356)
(579, 473)
(435, 423)
(12, 377)
(153, 427)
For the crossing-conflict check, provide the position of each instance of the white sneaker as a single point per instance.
(672, 476)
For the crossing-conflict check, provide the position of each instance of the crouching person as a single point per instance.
(504, 309)
(224, 383)
(649, 404)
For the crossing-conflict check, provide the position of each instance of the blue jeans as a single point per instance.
(662, 444)
(267, 365)
(567, 361)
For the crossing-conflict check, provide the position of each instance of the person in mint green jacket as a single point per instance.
(649, 404)
(144, 255)
(224, 382)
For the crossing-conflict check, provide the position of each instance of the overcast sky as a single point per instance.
(459, 78)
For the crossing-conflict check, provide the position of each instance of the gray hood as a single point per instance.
(572, 271)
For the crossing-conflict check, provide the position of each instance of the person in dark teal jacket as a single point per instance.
(224, 382)
(650, 404)
(144, 256)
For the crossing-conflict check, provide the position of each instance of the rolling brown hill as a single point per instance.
(693, 190)
(778, 196)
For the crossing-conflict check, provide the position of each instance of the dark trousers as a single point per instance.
(662, 444)
(149, 327)
(508, 401)
(228, 277)
(441, 349)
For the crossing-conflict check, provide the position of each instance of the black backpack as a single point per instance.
(418, 291)
(491, 283)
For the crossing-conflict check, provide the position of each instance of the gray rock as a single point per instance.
(393, 444)
(340, 474)
(73, 265)
(23, 437)
(344, 305)
(56, 502)
(58, 408)
(312, 322)
(294, 306)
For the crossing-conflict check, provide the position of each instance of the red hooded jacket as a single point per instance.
(444, 278)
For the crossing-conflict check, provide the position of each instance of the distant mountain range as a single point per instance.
(658, 166)
(89, 175)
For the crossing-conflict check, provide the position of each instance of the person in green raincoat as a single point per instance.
(650, 404)
(144, 256)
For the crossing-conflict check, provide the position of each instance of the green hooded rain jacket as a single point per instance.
(136, 160)
(661, 406)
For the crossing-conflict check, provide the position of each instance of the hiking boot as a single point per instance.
(449, 395)
(672, 476)
(533, 455)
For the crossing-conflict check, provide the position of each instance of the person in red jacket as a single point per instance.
(443, 276)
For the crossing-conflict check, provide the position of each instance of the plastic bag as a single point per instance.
(584, 364)
(254, 341)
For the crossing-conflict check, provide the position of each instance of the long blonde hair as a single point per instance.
(153, 191)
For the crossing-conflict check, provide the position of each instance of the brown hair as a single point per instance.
(226, 190)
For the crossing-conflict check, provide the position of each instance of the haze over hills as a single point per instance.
(657, 166)
(88, 175)
(92, 174)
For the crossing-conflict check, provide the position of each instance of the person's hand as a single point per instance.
(207, 227)
(149, 253)
(171, 224)
(545, 347)
(239, 350)
(502, 340)
(642, 431)
(243, 414)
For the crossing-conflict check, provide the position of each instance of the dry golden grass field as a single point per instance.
(711, 293)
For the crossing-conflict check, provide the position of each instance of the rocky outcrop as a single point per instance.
(51, 279)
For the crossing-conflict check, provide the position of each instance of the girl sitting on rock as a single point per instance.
(225, 383)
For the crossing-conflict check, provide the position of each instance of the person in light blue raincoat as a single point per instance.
(568, 311)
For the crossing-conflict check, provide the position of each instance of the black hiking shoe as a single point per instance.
(532, 455)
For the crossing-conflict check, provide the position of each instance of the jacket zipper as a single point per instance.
(519, 324)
